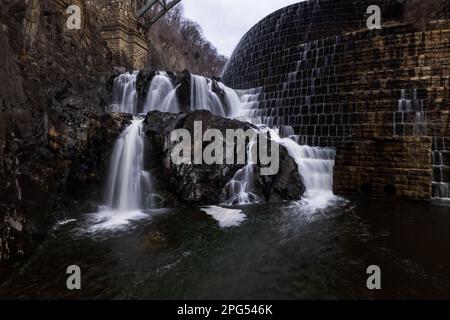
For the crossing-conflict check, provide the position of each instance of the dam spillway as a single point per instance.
(380, 97)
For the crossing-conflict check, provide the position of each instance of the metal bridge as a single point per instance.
(162, 7)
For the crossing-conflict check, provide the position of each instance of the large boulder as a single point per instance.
(202, 183)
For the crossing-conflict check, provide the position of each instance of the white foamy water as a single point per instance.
(162, 95)
(64, 222)
(129, 184)
(316, 167)
(241, 103)
(125, 94)
(107, 219)
(226, 217)
(129, 187)
(170, 103)
(203, 97)
(241, 189)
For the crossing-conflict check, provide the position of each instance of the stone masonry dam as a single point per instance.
(380, 97)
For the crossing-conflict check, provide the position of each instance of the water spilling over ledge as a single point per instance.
(378, 98)
(129, 186)
(361, 112)
(211, 95)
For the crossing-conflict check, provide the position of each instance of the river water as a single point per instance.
(317, 248)
(275, 251)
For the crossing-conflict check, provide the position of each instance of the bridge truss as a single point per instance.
(153, 10)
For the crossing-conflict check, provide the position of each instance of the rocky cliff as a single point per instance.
(51, 88)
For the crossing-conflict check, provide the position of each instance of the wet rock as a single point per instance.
(202, 183)
(143, 82)
(184, 90)
(52, 83)
(117, 71)
(89, 159)
(287, 184)
(221, 94)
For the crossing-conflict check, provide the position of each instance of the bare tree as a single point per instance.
(182, 38)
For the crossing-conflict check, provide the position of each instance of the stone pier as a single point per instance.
(122, 31)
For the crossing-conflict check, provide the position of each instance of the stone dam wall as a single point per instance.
(381, 98)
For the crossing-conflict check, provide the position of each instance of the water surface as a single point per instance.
(280, 251)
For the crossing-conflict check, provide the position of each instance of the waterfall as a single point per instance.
(232, 99)
(170, 103)
(316, 167)
(129, 186)
(124, 94)
(408, 105)
(203, 97)
(241, 189)
(128, 182)
(441, 181)
(128, 190)
(162, 95)
(240, 102)
(315, 164)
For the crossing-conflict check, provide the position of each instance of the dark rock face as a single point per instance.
(220, 93)
(53, 81)
(90, 156)
(287, 184)
(184, 90)
(60, 178)
(204, 184)
(143, 81)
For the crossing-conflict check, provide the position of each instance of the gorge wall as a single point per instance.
(55, 140)
(381, 98)
(53, 86)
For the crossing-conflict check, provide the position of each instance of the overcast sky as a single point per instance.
(224, 22)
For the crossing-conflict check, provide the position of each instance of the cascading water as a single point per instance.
(410, 111)
(233, 100)
(128, 182)
(316, 166)
(162, 95)
(129, 186)
(441, 180)
(241, 102)
(124, 94)
(203, 97)
(170, 103)
(241, 189)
